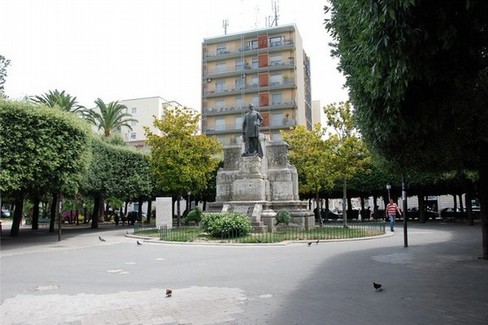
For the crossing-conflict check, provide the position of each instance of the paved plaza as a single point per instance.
(438, 279)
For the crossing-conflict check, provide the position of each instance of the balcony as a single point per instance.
(248, 69)
(246, 50)
(218, 111)
(232, 128)
(249, 88)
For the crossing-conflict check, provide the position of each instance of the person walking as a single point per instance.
(391, 211)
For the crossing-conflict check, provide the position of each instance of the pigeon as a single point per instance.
(310, 243)
(101, 239)
(139, 243)
(317, 242)
(169, 292)
(377, 286)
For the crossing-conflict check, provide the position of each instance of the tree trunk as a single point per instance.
(483, 191)
(96, 211)
(178, 212)
(149, 211)
(139, 210)
(54, 210)
(19, 207)
(318, 212)
(344, 200)
(421, 199)
(35, 213)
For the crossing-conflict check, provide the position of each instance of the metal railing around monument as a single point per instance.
(329, 231)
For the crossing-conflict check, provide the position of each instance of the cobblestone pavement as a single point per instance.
(438, 279)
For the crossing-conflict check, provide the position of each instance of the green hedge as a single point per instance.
(226, 224)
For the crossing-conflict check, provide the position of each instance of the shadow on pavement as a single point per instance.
(435, 283)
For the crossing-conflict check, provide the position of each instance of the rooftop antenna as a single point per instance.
(275, 6)
(257, 14)
(225, 23)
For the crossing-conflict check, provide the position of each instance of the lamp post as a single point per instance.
(388, 188)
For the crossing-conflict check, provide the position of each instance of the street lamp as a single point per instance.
(388, 188)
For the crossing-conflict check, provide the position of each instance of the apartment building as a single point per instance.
(144, 110)
(265, 67)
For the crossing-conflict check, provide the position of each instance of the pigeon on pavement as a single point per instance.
(139, 243)
(169, 292)
(377, 286)
(309, 243)
(317, 242)
(101, 239)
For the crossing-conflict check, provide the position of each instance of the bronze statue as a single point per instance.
(250, 132)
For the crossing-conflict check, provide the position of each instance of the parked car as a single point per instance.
(326, 214)
(5, 213)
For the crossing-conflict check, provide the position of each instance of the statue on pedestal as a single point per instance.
(250, 132)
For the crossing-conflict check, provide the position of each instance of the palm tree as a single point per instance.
(62, 100)
(112, 117)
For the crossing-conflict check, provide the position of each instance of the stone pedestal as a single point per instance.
(259, 187)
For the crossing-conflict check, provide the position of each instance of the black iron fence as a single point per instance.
(331, 230)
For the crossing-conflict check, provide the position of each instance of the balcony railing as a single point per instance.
(248, 88)
(273, 45)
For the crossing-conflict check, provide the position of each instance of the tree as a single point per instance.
(350, 152)
(417, 73)
(63, 100)
(312, 156)
(181, 161)
(115, 172)
(4, 63)
(112, 116)
(43, 151)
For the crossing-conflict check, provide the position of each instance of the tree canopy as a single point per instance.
(417, 76)
(43, 150)
(60, 99)
(181, 160)
(111, 117)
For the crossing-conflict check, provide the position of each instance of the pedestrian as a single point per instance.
(391, 211)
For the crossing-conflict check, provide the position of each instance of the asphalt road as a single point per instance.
(438, 279)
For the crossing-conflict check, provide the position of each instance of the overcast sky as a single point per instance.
(124, 49)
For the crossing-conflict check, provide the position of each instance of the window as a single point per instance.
(253, 45)
(239, 122)
(255, 81)
(239, 83)
(276, 99)
(219, 124)
(276, 119)
(134, 110)
(220, 66)
(275, 60)
(239, 65)
(255, 101)
(219, 86)
(239, 102)
(276, 41)
(219, 104)
(276, 79)
(221, 48)
(132, 135)
(255, 63)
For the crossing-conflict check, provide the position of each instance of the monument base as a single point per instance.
(260, 187)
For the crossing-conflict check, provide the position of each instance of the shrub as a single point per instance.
(194, 215)
(226, 224)
(283, 216)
